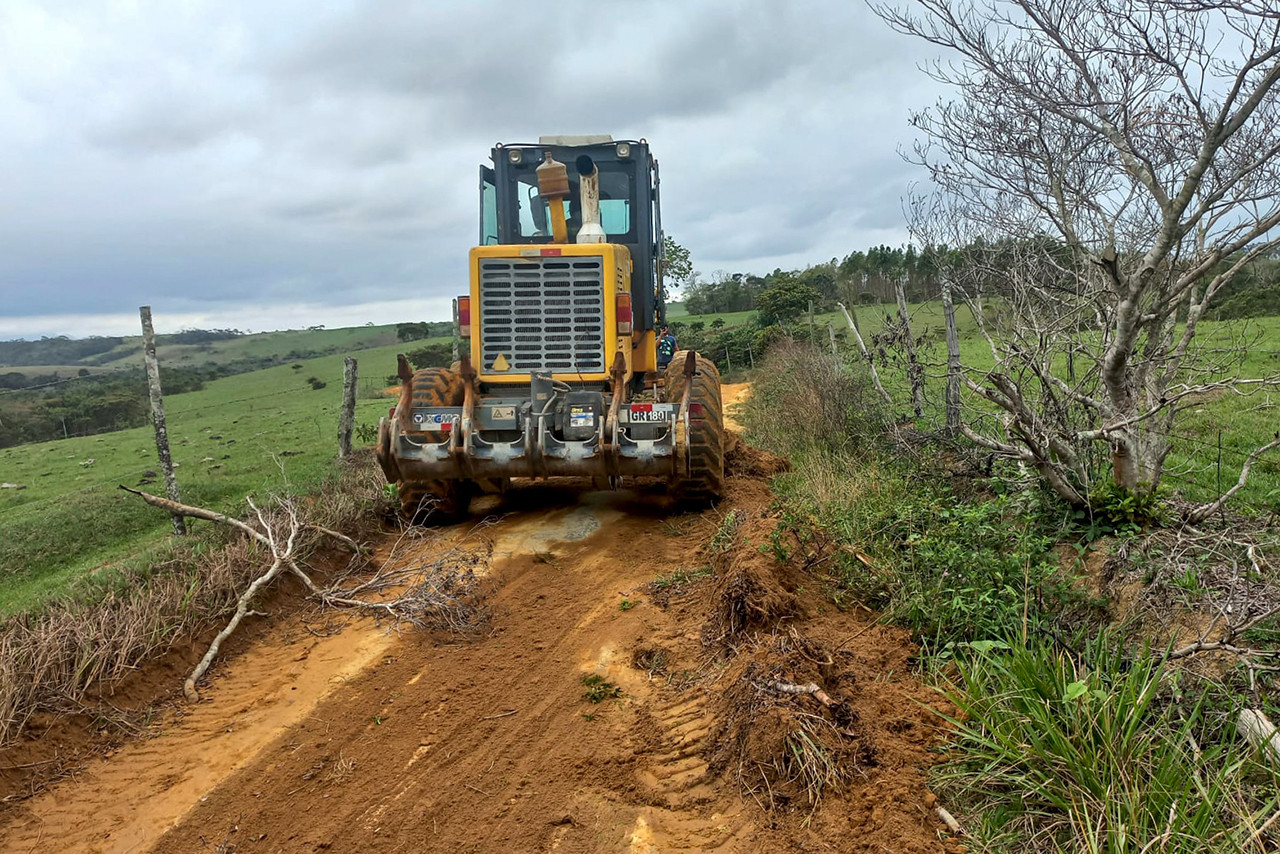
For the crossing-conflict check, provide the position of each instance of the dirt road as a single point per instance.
(367, 741)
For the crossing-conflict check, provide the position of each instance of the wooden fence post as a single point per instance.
(953, 358)
(914, 372)
(347, 419)
(457, 332)
(157, 416)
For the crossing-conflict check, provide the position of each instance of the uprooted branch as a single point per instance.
(440, 592)
(792, 688)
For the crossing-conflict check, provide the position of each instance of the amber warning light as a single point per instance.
(624, 314)
(464, 317)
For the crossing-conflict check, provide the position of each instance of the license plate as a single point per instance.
(427, 419)
(650, 413)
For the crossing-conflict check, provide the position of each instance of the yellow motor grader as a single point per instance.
(558, 375)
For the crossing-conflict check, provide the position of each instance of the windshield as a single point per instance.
(615, 203)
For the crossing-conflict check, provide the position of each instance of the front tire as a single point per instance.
(704, 484)
(434, 502)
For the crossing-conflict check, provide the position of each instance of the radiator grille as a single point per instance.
(543, 314)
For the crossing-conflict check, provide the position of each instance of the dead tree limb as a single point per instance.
(792, 688)
(949, 820)
(440, 592)
(1204, 511)
(342, 538)
(242, 608)
(196, 513)
(915, 373)
(866, 355)
(1257, 729)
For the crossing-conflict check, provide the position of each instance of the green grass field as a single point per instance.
(251, 433)
(1194, 467)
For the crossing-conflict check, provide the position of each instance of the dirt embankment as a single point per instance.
(368, 741)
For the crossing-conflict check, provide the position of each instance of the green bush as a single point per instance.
(431, 356)
(1116, 510)
(971, 571)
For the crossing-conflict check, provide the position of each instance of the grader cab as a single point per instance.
(558, 375)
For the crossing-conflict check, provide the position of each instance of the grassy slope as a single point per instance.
(71, 519)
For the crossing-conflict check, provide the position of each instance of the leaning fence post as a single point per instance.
(347, 419)
(157, 416)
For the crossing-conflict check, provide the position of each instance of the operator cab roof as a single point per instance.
(574, 140)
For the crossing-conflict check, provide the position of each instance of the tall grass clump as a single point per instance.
(1098, 752)
(804, 403)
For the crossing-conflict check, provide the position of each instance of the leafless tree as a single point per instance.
(1120, 159)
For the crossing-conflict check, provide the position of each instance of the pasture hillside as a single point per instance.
(193, 348)
(268, 430)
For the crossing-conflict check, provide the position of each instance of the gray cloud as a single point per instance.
(230, 153)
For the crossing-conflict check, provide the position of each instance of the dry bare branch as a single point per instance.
(1204, 511)
(441, 593)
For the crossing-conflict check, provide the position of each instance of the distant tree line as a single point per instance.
(865, 278)
(90, 404)
(62, 350)
(418, 331)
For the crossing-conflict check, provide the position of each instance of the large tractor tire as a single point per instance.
(434, 502)
(704, 483)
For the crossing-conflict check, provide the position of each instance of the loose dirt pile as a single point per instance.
(644, 685)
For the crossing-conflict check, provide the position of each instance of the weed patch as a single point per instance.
(679, 578)
(599, 689)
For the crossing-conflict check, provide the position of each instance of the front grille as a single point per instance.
(543, 314)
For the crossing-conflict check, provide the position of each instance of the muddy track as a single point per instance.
(368, 741)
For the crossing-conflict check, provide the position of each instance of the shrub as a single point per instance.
(802, 401)
(431, 356)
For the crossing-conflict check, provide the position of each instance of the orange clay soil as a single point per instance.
(369, 741)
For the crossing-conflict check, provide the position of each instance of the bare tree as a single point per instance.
(1121, 156)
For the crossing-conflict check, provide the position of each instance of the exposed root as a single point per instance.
(789, 742)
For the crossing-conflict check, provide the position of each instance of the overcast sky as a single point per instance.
(268, 165)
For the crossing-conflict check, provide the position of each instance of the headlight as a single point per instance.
(515, 155)
(624, 151)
